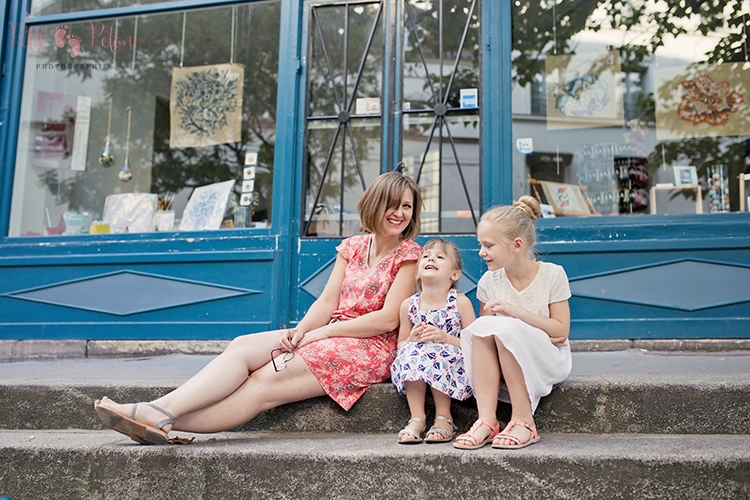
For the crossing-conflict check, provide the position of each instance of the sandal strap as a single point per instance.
(507, 435)
(469, 436)
(436, 429)
(413, 431)
(158, 425)
(446, 419)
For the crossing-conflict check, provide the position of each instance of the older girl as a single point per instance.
(520, 338)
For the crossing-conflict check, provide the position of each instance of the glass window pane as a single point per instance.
(629, 107)
(344, 131)
(82, 99)
(441, 117)
(49, 7)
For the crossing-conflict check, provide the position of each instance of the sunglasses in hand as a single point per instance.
(280, 364)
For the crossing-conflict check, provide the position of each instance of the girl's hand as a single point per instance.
(432, 334)
(415, 335)
(502, 308)
(559, 341)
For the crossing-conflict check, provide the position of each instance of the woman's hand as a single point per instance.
(558, 341)
(312, 336)
(288, 339)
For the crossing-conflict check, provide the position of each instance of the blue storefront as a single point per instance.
(185, 169)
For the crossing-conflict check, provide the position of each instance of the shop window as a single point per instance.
(148, 123)
(49, 7)
(629, 107)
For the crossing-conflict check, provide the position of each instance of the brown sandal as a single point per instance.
(137, 431)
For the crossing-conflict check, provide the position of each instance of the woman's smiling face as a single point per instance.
(396, 219)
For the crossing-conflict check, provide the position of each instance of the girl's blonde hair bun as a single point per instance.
(530, 206)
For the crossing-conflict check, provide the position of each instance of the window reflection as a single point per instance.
(613, 100)
(99, 93)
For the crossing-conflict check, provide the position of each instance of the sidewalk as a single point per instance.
(174, 369)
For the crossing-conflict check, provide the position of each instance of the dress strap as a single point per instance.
(451, 299)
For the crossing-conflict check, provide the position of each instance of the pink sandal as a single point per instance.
(518, 443)
(469, 436)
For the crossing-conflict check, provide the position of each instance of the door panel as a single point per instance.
(346, 122)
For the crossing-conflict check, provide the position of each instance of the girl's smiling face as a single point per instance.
(435, 263)
(496, 251)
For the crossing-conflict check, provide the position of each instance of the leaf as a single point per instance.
(179, 440)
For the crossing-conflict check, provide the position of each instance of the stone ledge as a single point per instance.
(79, 464)
(41, 350)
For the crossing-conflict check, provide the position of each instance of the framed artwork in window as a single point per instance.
(206, 206)
(685, 176)
(565, 199)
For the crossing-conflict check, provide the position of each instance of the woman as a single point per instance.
(345, 342)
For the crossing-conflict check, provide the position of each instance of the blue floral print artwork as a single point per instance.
(206, 105)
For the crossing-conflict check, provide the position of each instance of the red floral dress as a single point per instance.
(347, 366)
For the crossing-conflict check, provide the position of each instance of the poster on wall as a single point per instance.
(54, 122)
(584, 91)
(205, 105)
(702, 101)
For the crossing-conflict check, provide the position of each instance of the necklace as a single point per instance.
(375, 259)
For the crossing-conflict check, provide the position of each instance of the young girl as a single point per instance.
(521, 336)
(429, 351)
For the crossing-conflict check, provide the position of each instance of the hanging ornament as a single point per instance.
(126, 174)
(107, 158)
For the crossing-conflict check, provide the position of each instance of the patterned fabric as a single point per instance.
(439, 365)
(347, 366)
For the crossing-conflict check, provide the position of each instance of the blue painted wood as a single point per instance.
(276, 262)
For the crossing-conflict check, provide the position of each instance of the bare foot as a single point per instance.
(144, 413)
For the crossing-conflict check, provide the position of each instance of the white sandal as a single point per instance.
(446, 435)
(412, 431)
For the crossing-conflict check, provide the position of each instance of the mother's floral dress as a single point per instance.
(347, 366)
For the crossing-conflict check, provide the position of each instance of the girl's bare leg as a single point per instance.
(519, 395)
(442, 409)
(415, 396)
(486, 385)
(217, 380)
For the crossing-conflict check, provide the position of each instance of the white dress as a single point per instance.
(543, 363)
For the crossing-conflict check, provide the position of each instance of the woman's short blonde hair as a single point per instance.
(386, 192)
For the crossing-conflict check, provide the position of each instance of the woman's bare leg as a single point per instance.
(263, 390)
(519, 395)
(217, 380)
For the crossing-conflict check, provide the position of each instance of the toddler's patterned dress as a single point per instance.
(438, 365)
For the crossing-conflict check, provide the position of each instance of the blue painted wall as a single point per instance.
(275, 274)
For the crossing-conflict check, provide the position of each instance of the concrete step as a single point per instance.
(624, 392)
(75, 464)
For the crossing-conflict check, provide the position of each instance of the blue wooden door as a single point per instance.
(389, 84)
